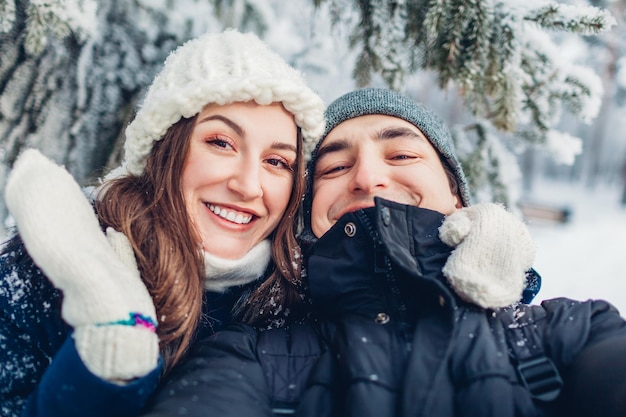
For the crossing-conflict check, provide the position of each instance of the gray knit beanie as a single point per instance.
(219, 68)
(390, 103)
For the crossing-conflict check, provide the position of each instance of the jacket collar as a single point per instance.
(411, 237)
(341, 264)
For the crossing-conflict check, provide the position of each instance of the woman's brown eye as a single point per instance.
(278, 163)
(221, 143)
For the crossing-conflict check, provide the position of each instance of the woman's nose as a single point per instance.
(246, 182)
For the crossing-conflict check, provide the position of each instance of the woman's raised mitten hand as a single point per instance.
(61, 233)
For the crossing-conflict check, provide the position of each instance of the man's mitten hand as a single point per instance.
(493, 251)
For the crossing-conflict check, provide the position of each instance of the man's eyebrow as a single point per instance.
(383, 134)
(238, 129)
(336, 146)
(397, 132)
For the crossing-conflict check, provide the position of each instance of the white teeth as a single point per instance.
(230, 215)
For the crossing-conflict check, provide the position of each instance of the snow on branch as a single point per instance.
(7, 15)
(586, 20)
(58, 18)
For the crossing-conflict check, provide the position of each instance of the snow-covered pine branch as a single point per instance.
(58, 18)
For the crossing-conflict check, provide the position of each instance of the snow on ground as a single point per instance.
(586, 257)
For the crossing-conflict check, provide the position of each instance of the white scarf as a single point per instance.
(224, 273)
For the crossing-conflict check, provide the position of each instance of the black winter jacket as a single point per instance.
(240, 372)
(403, 344)
(394, 340)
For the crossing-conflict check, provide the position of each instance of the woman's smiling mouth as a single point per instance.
(230, 215)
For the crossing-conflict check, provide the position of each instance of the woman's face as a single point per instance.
(238, 174)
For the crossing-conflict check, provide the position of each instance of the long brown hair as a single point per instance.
(150, 210)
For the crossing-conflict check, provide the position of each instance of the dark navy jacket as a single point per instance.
(41, 374)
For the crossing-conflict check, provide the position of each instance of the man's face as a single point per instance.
(377, 156)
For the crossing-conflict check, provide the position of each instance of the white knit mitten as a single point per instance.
(493, 251)
(104, 298)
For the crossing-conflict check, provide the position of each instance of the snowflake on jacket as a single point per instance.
(31, 328)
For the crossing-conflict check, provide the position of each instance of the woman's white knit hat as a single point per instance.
(219, 68)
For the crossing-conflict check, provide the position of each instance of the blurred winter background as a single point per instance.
(535, 91)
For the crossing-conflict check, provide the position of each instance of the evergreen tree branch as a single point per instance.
(587, 20)
(7, 15)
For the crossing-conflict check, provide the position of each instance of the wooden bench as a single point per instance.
(551, 213)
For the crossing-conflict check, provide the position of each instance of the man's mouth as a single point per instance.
(231, 215)
(356, 207)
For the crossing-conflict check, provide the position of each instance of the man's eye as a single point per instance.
(401, 157)
(332, 170)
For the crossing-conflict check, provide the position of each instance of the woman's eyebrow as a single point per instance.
(238, 129)
(241, 131)
(284, 146)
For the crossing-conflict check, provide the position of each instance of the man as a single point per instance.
(381, 268)
(406, 286)
(375, 146)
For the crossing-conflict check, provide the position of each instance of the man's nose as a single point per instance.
(369, 174)
(246, 181)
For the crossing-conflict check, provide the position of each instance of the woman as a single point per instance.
(201, 208)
